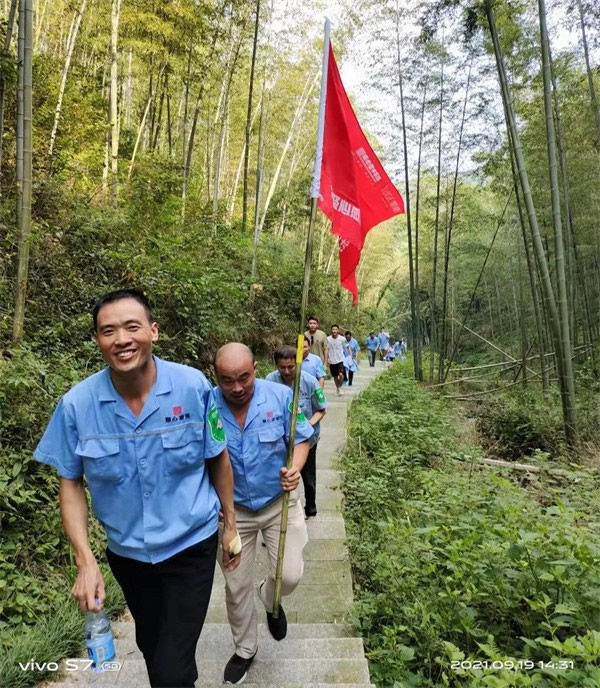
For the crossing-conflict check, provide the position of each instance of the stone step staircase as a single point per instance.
(322, 649)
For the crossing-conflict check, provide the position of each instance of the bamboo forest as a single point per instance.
(179, 157)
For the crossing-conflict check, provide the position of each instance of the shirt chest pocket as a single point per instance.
(183, 449)
(272, 446)
(101, 459)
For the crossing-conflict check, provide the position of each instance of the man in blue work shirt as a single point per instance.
(312, 364)
(257, 417)
(141, 432)
(313, 404)
(384, 343)
(351, 349)
(372, 345)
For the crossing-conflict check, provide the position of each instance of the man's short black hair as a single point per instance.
(112, 296)
(313, 317)
(371, 333)
(335, 325)
(286, 351)
(347, 332)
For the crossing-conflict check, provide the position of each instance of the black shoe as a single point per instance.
(277, 627)
(310, 514)
(236, 669)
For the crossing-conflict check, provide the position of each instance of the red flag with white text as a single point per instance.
(355, 192)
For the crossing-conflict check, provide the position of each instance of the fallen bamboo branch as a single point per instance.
(504, 464)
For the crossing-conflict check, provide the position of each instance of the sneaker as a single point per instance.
(236, 669)
(339, 392)
(309, 514)
(277, 627)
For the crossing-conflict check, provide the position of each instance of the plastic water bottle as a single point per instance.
(99, 639)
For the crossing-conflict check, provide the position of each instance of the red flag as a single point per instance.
(355, 192)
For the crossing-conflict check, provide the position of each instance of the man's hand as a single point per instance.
(89, 586)
(230, 561)
(290, 478)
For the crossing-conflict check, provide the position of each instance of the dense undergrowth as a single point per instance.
(456, 562)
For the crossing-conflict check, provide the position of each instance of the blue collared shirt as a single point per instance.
(372, 344)
(311, 398)
(259, 451)
(384, 340)
(146, 475)
(351, 347)
(313, 365)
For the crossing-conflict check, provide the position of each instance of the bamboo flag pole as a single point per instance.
(314, 192)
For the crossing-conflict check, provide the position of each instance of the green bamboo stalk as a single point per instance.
(563, 302)
(26, 16)
(547, 289)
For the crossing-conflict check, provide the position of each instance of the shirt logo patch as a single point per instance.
(178, 414)
(216, 425)
(300, 417)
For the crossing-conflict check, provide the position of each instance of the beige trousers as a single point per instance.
(239, 584)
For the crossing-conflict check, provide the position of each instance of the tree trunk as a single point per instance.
(39, 24)
(129, 90)
(114, 112)
(190, 145)
(19, 135)
(248, 124)
(531, 269)
(433, 343)
(238, 172)
(443, 343)
(411, 271)
(551, 310)
(306, 93)
(216, 189)
(417, 206)
(139, 136)
(522, 320)
(563, 304)
(259, 176)
(25, 227)
(590, 76)
(7, 41)
(65, 74)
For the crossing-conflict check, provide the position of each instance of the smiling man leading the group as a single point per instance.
(146, 435)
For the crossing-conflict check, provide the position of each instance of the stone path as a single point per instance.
(321, 649)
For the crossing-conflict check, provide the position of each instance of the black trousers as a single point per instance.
(168, 602)
(309, 478)
(350, 376)
(372, 355)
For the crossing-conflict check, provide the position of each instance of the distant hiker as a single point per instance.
(399, 348)
(257, 416)
(317, 340)
(312, 364)
(372, 345)
(351, 349)
(146, 435)
(384, 343)
(313, 405)
(336, 357)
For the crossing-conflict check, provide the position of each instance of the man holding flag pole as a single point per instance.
(353, 190)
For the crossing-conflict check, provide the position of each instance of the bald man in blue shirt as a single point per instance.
(147, 437)
(257, 419)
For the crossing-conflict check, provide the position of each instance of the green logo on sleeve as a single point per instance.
(300, 417)
(320, 396)
(216, 425)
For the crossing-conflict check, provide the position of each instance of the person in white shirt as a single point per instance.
(336, 357)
